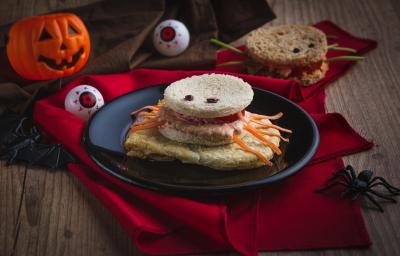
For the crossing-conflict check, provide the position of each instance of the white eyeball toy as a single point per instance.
(83, 101)
(171, 37)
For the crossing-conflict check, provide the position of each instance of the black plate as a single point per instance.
(108, 128)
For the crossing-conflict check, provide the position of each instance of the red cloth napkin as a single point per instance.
(283, 216)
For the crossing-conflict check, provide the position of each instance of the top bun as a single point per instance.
(292, 45)
(208, 96)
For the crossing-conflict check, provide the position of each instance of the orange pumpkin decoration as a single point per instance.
(48, 46)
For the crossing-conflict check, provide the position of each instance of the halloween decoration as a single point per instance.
(8, 123)
(171, 37)
(361, 184)
(293, 52)
(83, 101)
(21, 143)
(48, 46)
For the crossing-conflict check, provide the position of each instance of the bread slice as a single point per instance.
(212, 95)
(151, 144)
(191, 138)
(287, 45)
(311, 78)
(197, 133)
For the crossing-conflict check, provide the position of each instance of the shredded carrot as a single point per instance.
(146, 126)
(241, 117)
(274, 135)
(147, 114)
(149, 118)
(264, 125)
(250, 150)
(260, 117)
(145, 121)
(154, 108)
(254, 131)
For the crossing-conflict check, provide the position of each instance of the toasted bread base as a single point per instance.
(151, 144)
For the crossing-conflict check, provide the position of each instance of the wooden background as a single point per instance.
(51, 213)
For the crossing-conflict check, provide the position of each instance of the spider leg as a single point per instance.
(337, 183)
(345, 192)
(391, 190)
(385, 182)
(349, 178)
(355, 196)
(374, 202)
(19, 129)
(341, 173)
(12, 158)
(352, 172)
(338, 175)
(381, 196)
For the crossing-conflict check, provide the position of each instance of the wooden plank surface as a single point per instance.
(12, 183)
(44, 212)
(60, 217)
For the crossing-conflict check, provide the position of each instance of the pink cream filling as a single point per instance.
(286, 71)
(199, 126)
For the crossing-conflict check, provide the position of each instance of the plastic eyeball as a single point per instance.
(171, 38)
(83, 101)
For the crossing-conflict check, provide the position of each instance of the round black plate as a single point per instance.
(107, 130)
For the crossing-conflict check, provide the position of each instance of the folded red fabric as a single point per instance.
(283, 216)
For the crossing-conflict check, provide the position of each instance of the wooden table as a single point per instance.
(46, 212)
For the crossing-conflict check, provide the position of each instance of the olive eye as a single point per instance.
(71, 30)
(296, 50)
(311, 45)
(212, 100)
(189, 97)
(45, 35)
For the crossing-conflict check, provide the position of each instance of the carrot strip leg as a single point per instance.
(246, 148)
(254, 132)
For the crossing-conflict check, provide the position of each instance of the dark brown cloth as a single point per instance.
(121, 33)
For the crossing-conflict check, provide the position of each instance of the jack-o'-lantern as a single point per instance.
(48, 46)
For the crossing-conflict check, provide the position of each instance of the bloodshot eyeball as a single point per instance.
(83, 101)
(171, 37)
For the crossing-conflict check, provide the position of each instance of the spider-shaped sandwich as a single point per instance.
(293, 52)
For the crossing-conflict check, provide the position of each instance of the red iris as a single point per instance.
(168, 34)
(87, 99)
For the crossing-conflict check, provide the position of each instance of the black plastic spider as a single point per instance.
(20, 141)
(360, 184)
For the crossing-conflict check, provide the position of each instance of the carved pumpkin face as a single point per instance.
(49, 46)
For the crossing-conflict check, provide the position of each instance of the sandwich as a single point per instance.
(293, 52)
(203, 120)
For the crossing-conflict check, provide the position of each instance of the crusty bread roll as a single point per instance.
(291, 46)
(231, 94)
